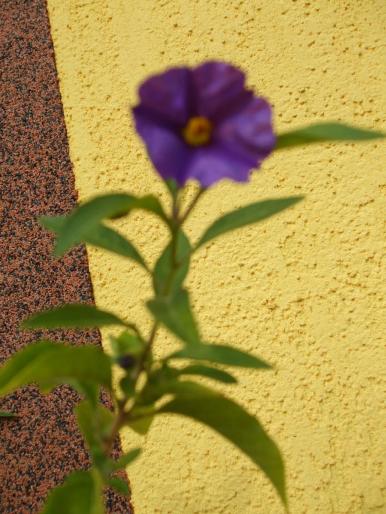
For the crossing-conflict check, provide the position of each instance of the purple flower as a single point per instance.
(203, 124)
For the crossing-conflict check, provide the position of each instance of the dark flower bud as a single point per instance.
(126, 361)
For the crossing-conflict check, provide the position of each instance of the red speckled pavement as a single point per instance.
(41, 446)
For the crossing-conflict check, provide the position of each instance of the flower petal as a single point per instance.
(217, 86)
(215, 162)
(167, 151)
(249, 132)
(167, 95)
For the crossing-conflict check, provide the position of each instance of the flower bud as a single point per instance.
(126, 361)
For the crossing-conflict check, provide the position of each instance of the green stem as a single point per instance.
(148, 348)
(117, 425)
(175, 226)
(135, 329)
(176, 222)
(191, 206)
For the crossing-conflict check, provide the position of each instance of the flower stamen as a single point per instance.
(198, 131)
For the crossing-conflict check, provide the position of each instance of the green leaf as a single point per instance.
(85, 218)
(175, 313)
(119, 485)
(234, 423)
(252, 213)
(88, 390)
(220, 354)
(127, 386)
(101, 237)
(143, 418)
(49, 364)
(108, 239)
(141, 426)
(163, 280)
(151, 204)
(127, 458)
(95, 422)
(322, 132)
(172, 186)
(53, 223)
(209, 372)
(73, 315)
(4, 414)
(81, 493)
(126, 343)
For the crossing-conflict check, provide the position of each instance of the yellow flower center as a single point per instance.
(197, 131)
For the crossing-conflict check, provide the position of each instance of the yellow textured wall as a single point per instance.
(305, 290)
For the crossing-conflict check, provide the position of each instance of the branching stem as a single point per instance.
(122, 415)
(191, 206)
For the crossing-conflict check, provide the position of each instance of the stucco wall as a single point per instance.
(305, 290)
